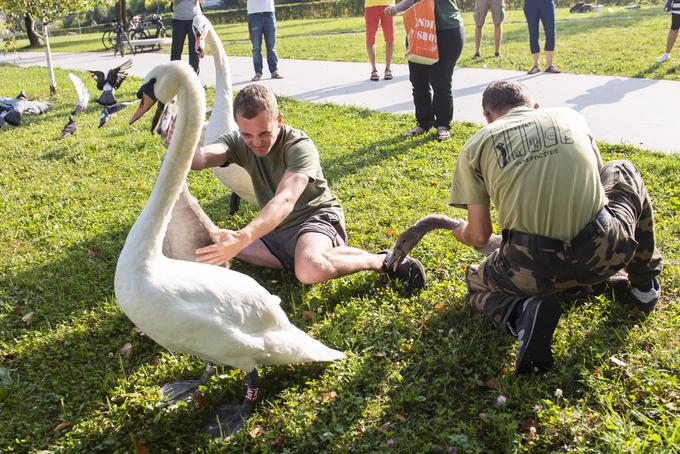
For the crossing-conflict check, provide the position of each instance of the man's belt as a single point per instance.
(593, 229)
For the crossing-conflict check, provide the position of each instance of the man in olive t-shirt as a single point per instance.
(300, 225)
(567, 220)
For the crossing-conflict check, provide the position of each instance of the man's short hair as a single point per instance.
(502, 95)
(253, 99)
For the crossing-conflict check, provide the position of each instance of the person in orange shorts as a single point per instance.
(374, 14)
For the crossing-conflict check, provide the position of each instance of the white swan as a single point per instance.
(220, 315)
(222, 116)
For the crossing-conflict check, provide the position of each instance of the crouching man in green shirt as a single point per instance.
(567, 220)
(301, 225)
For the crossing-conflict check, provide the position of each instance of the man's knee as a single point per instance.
(312, 270)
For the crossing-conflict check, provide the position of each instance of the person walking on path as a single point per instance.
(567, 220)
(542, 11)
(479, 13)
(673, 6)
(374, 14)
(183, 13)
(300, 226)
(435, 107)
(262, 23)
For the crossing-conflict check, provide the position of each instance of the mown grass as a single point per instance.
(423, 373)
(618, 43)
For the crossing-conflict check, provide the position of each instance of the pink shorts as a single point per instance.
(373, 16)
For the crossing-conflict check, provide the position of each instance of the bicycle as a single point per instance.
(150, 29)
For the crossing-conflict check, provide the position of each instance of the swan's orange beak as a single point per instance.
(144, 106)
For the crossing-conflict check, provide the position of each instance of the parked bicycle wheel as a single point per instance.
(108, 39)
(166, 33)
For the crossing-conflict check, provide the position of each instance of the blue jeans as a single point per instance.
(263, 24)
(544, 11)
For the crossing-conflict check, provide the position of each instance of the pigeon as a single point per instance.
(108, 111)
(22, 105)
(9, 116)
(70, 127)
(110, 83)
(81, 91)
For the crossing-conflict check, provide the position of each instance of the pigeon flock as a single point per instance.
(12, 109)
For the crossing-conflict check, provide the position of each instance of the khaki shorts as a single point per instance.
(281, 243)
(497, 8)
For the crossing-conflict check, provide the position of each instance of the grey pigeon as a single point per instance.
(70, 127)
(110, 83)
(23, 105)
(9, 116)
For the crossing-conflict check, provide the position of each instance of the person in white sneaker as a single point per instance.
(672, 6)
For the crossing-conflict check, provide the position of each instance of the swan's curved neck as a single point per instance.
(222, 117)
(146, 235)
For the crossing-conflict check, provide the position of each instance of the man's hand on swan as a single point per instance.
(227, 245)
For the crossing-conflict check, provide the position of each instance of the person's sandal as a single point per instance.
(552, 69)
(443, 134)
(415, 131)
(388, 75)
(375, 76)
(534, 70)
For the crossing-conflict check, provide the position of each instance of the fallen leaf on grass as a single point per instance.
(493, 384)
(256, 431)
(140, 185)
(17, 310)
(330, 396)
(434, 183)
(400, 417)
(140, 447)
(62, 426)
(384, 427)
(379, 354)
(200, 400)
(391, 231)
(308, 314)
(126, 350)
(93, 251)
(527, 424)
(618, 362)
(440, 307)
(27, 319)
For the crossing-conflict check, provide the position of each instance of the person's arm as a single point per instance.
(213, 155)
(476, 232)
(400, 7)
(228, 243)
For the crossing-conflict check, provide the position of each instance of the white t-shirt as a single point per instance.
(260, 6)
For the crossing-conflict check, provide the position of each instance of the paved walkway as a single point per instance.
(641, 112)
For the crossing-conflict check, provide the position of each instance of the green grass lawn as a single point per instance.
(621, 42)
(423, 373)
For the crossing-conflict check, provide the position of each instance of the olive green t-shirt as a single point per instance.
(539, 167)
(293, 151)
(447, 15)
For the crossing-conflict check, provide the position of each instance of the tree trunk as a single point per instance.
(122, 13)
(33, 37)
(50, 69)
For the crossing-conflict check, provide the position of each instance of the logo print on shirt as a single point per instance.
(523, 137)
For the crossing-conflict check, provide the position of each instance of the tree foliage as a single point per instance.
(48, 10)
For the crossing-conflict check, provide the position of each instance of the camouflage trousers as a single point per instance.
(624, 240)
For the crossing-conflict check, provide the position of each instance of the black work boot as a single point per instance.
(535, 326)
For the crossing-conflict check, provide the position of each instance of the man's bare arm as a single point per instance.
(476, 232)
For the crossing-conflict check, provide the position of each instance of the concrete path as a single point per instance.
(641, 112)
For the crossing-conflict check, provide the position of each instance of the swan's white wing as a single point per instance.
(217, 314)
(82, 92)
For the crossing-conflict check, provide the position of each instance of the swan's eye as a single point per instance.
(147, 89)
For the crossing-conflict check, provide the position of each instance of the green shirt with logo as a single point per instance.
(539, 167)
(293, 151)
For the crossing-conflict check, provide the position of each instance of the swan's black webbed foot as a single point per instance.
(230, 418)
(185, 390)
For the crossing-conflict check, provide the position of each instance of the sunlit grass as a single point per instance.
(418, 372)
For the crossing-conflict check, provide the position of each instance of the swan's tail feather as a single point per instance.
(294, 346)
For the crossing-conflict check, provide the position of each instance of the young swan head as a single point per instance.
(160, 85)
(201, 26)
